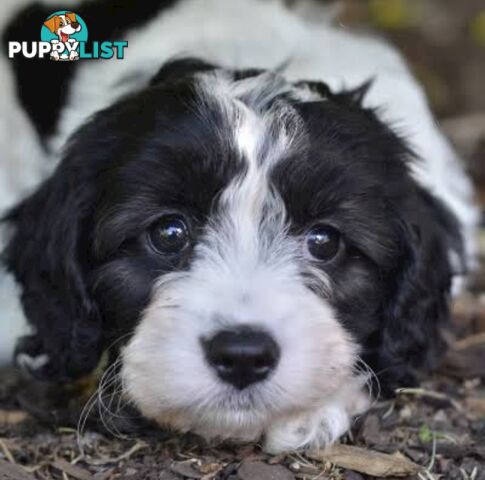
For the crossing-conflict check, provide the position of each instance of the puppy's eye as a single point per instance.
(169, 234)
(323, 242)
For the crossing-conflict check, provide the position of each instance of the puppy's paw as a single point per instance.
(55, 56)
(310, 430)
(30, 356)
(74, 55)
(320, 427)
(44, 359)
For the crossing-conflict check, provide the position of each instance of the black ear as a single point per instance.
(353, 98)
(180, 68)
(47, 253)
(417, 313)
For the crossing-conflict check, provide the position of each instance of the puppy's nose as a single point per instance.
(242, 357)
(75, 25)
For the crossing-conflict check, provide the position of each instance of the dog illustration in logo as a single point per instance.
(64, 26)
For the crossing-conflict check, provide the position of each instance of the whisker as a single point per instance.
(108, 382)
(110, 386)
(83, 418)
(371, 379)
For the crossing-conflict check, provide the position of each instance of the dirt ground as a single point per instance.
(434, 432)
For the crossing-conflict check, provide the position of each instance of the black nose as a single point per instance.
(242, 357)
(74, 25)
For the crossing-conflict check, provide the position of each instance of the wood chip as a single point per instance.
(476, 405)
(365, 461)
(9, 471)
(186, 469)
(72, 470)
(250, 470)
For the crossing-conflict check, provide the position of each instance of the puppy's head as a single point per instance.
(251, 240)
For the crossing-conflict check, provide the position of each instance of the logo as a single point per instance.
(64, 31)
(64, 38)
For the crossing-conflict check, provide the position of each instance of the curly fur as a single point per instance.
(252, 160)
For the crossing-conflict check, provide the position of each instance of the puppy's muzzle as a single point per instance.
(243, 357)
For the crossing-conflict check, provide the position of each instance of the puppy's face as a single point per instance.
(250, 239)
(221, 232)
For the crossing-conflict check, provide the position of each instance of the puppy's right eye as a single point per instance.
(169, 235)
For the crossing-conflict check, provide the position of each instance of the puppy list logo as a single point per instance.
(64, 37)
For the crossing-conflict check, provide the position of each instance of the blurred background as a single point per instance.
(444, 43)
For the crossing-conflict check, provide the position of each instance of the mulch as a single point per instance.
(435, 431)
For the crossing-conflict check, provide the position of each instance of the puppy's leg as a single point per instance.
(318, 428)
(309, 430)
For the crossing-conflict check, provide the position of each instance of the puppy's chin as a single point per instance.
(239, 417)
(214, 424)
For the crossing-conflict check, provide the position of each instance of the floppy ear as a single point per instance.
(71, 16)
(52, 23)
(48, 256)
(417, 313)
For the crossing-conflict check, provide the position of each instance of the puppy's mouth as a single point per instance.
(64, 37)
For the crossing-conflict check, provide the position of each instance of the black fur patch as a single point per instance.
(106, 20)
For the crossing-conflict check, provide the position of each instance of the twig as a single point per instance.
(471, 341)
(433, 454)
(6, 451)
(128, 454)
(430, 394)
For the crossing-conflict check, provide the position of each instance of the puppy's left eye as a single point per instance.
(169, 235)
(323, 242)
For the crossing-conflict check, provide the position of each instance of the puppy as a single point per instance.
(64, 26)
(256, 232)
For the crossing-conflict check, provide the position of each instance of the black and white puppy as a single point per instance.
(258, 237)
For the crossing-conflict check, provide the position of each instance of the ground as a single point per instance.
(436, 431)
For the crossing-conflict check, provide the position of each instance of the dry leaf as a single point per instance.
(468, 342)
(365, 461)
(12, 417)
